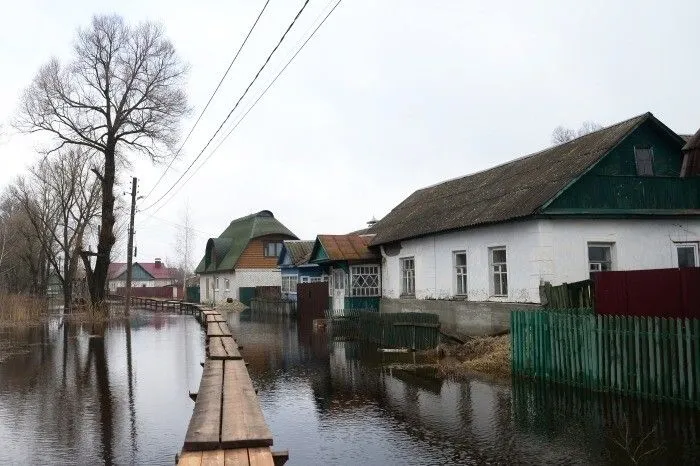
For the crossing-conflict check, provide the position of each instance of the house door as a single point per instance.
(338, 289)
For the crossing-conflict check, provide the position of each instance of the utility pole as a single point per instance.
(130, 246)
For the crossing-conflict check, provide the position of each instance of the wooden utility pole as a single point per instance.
(130, 247)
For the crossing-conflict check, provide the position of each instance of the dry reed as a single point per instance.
(22, 309)
(486, 355)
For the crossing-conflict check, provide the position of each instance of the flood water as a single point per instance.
(67, 398)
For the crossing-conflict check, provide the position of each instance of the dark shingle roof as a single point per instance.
(513, 190)
(299, 251)
(227, 248)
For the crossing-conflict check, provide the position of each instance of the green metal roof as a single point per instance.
(222, 253)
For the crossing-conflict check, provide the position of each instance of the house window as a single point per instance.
(644, 158)
(364, 280)
(460, 261)
(408, 276)
(217, 285)
(499, 271)
(289, 283)
(687, 254)
(304, 279)
(599, 257)
(227, 284)
(272, 249)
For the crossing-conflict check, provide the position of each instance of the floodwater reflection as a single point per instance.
(117, 394)
(340, 402)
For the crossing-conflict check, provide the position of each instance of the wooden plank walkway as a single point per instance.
(223, 348)
(227, 425)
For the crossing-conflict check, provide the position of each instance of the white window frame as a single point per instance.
(459, 273)
(686, 244)
(216, 284)
(365, 280)
(500, 269)
(408, 276)
(289, 283)
(227, 284)
(596, 265)
(304, 279)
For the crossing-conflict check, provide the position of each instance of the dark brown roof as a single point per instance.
(347, 247)
(513, 190)
(299, 251)
(686, 137)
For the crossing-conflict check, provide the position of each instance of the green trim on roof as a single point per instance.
(318, 253)
(228, 247)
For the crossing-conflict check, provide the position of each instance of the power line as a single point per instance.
(209, 101)
(254, 103)
(306, 2)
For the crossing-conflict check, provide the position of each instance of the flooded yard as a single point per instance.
(68, 397)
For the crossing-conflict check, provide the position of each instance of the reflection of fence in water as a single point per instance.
(543, 408)
(415, 330)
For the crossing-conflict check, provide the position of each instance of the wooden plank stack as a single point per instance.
(227, 424)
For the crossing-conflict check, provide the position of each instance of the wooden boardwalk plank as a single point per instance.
(260, 457)
(203, 430)
(237, 457)
(218, 329)
(190, 458)
(213, 458)
(215, 318)
(243, 424)
(223, 348)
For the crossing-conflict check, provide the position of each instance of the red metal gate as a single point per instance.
(312, 300)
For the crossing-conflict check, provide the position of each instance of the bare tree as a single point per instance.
(184, 246)
(61, 198)
(122, 91)
(560, 135)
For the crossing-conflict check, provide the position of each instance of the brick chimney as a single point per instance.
(159, 263)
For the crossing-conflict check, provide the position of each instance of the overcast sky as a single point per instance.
(388, 97)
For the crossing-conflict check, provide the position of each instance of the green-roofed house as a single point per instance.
(243, 256)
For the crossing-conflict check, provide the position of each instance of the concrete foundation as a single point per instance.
(460, 317)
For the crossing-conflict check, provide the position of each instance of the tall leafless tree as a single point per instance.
(123, 91)
(61, 196)
(560, 135)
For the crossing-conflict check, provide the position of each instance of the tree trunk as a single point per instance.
(106, 239)
(67, 296)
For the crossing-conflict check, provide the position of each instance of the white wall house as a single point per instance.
(461, 265)
(219, 287)
(473, 248)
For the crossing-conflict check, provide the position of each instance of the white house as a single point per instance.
(475, 247)
(244, 256)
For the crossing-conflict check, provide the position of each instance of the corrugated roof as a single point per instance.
(691, 156)
(116, 269)
(230, 244)
(299, 251)
(512, 190)
(347, 247)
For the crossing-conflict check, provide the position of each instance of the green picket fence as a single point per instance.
(414, 330)
(649, 357)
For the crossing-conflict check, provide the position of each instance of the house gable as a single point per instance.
(138, 273)
(318, 253)
(613, 186)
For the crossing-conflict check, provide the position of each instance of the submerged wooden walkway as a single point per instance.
(227, 425)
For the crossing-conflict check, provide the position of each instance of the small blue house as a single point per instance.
(295, 267)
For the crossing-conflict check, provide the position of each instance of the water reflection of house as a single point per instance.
(295, 267)
(354, 270)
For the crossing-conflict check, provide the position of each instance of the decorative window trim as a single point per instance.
(500, 269)
(365, 280)
(289, 283)
(227, 284)
(408, 276)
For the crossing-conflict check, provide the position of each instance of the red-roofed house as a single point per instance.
(144, 274)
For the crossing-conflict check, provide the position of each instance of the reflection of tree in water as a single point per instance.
(96, 353)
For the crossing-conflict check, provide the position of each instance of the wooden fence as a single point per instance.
(414, 330)
(643, 356)
(569, 295)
